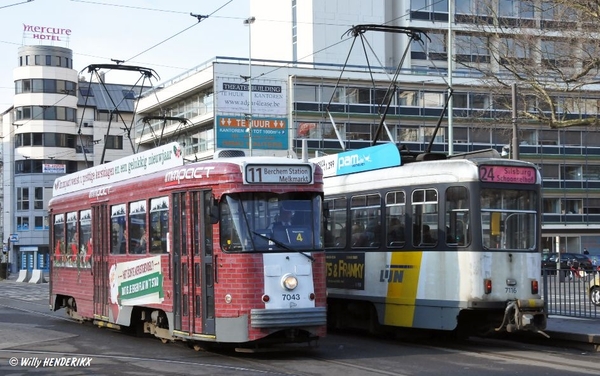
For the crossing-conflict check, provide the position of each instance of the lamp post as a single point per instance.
(249, 21)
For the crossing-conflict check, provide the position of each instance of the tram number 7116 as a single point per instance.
(290, 296)
(510, 290)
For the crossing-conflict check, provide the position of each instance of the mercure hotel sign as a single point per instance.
(46, 33)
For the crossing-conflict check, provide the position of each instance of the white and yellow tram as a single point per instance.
(444, 244)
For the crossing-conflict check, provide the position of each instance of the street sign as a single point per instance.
(14, 238)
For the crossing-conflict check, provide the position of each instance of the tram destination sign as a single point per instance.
(278, 174)
(507, 174)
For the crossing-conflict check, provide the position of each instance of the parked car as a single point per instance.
(567, 260)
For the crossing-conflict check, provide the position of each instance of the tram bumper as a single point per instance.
(282, 318)
(524, 315)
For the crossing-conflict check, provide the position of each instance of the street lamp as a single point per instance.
(249, 21)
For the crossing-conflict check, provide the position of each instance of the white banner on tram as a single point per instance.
(157, 159)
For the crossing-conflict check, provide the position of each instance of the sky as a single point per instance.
(161, 35)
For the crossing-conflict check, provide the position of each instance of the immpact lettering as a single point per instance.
(188, 173)
(99, 192)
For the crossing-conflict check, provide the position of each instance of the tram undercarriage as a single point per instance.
(517, 316)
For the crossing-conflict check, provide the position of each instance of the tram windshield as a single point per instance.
(509, 219)
(251, 222)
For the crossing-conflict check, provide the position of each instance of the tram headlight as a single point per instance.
(289, 282)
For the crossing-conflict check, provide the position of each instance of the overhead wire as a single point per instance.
(210, 15)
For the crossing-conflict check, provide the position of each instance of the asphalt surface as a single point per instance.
(580, 333)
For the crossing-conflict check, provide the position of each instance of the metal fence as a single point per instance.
(567, 293)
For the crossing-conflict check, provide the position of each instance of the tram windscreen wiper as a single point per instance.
(280, 244)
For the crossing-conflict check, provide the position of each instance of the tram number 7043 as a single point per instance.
(290, 296)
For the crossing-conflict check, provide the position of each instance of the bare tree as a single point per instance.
(550, 49)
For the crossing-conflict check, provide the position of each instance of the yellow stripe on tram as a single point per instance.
(402, 276)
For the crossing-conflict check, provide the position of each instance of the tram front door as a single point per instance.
(100, 242)
(192, 251)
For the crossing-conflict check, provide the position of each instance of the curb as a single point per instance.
(580, 341)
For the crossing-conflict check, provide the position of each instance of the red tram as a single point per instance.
(192, 251)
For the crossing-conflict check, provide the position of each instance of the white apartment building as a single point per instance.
(59, 123)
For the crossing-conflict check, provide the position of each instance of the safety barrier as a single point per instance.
(37, 276)
(24, 276)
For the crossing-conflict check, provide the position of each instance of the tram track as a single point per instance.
(523, 353)
(335, 358)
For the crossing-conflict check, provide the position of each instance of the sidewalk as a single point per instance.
(575, 330)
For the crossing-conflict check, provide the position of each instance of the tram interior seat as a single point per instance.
(423, 238)
(395, 236)
(373, 234)
(340, 238)
(357, 239)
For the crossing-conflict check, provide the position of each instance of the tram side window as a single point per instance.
(425, 217)
(85, 238)
(59, 240)
(159, 224)
(118, 243)
(457, 216)
(137, 229)
(395, 218)
(73, 240)
(365, 211)
(335, 228)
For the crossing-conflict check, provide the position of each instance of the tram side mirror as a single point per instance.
(214, 214)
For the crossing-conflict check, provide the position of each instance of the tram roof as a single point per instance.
(385, 165)
(161, 160)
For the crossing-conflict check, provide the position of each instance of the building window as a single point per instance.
(306, 93)
(39, 223)
(114, 142)
(45, 113)
(22, 198)
(38, 201)
(572, 172)
(572, 206)
(22, 223)
(408, 98)
(551, 206)
(358, 132)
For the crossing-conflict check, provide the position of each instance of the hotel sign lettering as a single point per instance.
(46, 33)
